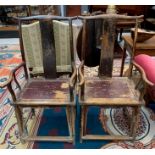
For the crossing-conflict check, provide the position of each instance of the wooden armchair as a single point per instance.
(47, 52)
(105, 90)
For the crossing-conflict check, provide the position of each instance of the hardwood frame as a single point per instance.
(105, 74)
(35, 103)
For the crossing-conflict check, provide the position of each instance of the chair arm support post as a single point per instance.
(81, 84)
(72, 83)
(80, 74)
(73, 78)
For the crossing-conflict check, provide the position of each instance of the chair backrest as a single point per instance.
(107, 37)
(93, 31)
(47, 44)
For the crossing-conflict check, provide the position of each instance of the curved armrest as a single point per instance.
(81, 76)
(17, 67)
(73, 78)
(12, 74)
(8, 81)
(144, 77)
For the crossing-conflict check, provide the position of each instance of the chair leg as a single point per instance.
(69, 120)
(18, 114)
(73, 118)
(81, 127)
(134, 122)
(130, 69)
(83, 122)
(123, 60)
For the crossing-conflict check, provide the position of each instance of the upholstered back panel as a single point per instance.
(31, 35)
(62, 46)
(33, 47)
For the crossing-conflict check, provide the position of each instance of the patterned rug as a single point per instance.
(114, 121)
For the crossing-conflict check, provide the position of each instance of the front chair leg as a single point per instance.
(69, 120)
(85, 119)
(83, 125)
(73, 118)
(130, 69)
(19, 117)
(135, 121)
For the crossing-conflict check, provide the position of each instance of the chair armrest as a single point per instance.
(8, 81)
(144, 77)
(73, 78)
(11, 76)
(81, 76)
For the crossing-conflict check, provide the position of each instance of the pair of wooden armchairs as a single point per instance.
(47, 49)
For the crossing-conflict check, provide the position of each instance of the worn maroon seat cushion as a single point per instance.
(148, 65)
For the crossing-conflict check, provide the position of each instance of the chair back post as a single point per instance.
(107, 48)
(135, 37)
(48, 48)
(134, 47)
(71, 43)
(84, 40)
(22, 49)
(84, 34)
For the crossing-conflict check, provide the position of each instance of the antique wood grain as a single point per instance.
(49, 55)
(107, 49)
(113, 16)
(22, 48)
(18, 115)
(49, 138)
(69, 120)
(106, 137)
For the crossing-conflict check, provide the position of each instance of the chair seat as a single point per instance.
(41, 92)
(112, 91)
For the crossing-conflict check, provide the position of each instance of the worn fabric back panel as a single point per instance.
(62, 46)
(32, 46)
(31, 35)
